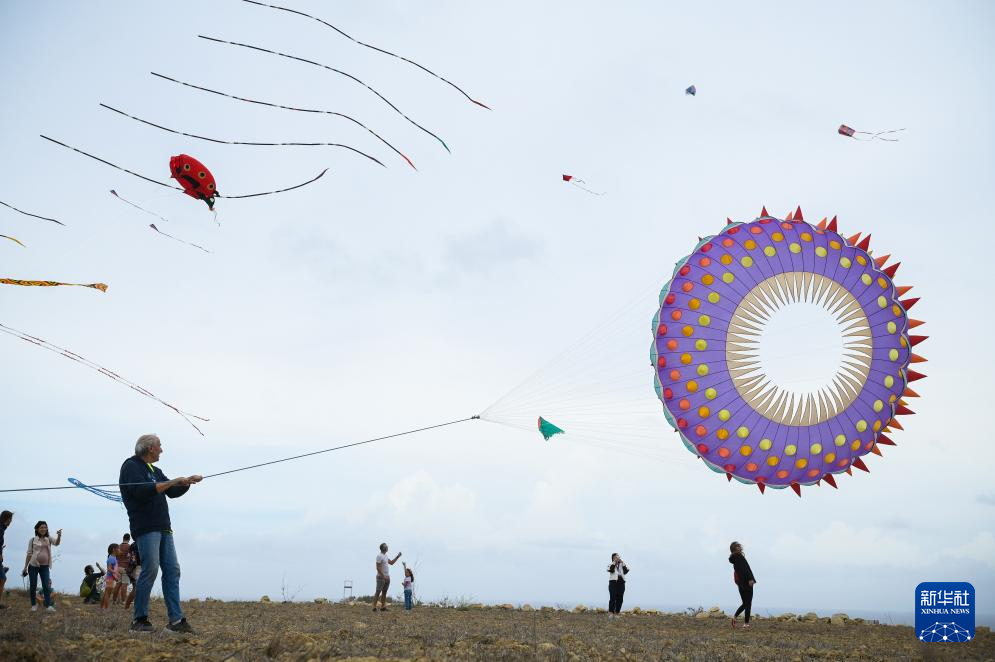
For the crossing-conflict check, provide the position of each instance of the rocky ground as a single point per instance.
(318, 631)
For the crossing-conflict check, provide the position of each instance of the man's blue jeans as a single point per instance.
(157, 551)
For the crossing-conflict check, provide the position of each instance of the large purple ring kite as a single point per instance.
(709, 369)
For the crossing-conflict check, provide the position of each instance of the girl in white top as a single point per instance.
(38, 562)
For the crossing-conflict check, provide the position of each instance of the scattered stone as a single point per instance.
(321, 601)
(787, 616)
(702, 615)
(359, 625)
(265, 598)
(580, 609)
(839, 619)
(527, 607)
(506, 606)
(712, 610)
(637, 610)
(547, 647)
(811, 616)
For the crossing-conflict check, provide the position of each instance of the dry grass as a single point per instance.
(306, 631)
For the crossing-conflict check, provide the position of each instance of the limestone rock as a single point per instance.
(265, 598)
(701, 615)
(811, 616)
(580, 609)
(527, 607)
(321, 601)
(839, 619)
(712, 610)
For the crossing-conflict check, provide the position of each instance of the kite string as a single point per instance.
(261, 464)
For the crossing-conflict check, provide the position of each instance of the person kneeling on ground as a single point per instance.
(88, 589)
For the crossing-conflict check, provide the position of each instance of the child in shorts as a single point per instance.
(110, 578)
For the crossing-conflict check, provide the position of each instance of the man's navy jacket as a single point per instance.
(147, 510)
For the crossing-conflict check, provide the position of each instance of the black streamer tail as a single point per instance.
(301, 110)
(372, 47)
(148, 179)
(338, 71)
(240, 142)
(19, 211)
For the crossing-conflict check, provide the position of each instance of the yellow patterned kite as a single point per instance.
(49, 283)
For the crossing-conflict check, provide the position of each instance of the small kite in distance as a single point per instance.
(579, 183)
(152, 225)
(844, 130)
(547, 429)
(691, 90)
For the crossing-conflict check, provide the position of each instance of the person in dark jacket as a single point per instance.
(144, 489)
(744, 579)
(617, 570)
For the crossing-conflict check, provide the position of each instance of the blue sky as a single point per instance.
(377, 300)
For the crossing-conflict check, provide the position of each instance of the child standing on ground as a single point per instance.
(110, 578)
(88, 589)
(408, 584)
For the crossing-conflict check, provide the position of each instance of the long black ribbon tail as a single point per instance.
(300, 110)
(338, 71)
(21, 211)
(240, 142)
(372, 47)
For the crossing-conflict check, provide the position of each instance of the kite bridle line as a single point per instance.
(254, 466)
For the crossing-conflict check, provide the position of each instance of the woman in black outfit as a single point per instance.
(744, 579)
(616, 584)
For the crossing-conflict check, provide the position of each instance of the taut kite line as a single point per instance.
(104, 371)
(177, 188)
(338, 71)
(301, 110)
(241, 142)
(371, 47)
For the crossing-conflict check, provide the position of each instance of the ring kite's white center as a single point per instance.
(799, 348)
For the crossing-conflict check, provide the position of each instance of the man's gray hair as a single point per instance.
(144, 443)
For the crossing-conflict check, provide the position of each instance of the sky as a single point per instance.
(378, 300)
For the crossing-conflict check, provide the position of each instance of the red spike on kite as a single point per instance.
(902, 290)
(829, 479)
(915, 340)
(876, 450)
(918, 359)
(797, 488)
(857, 462)
(854, 239)
(849, 471)
(798, 214)
(761, 486)
(902, 410)
(822, 224)
(729, 477)
(912, 375)
(914, 323)
(865, 243)
(893, 423)
(884, 439)
(763, 213)
(790, 216)
(909, 393)
(908, 303)
(879, 261)
(892, 269)
(832, 225)
(728, 221)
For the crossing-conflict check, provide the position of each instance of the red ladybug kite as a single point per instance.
(196, 180)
